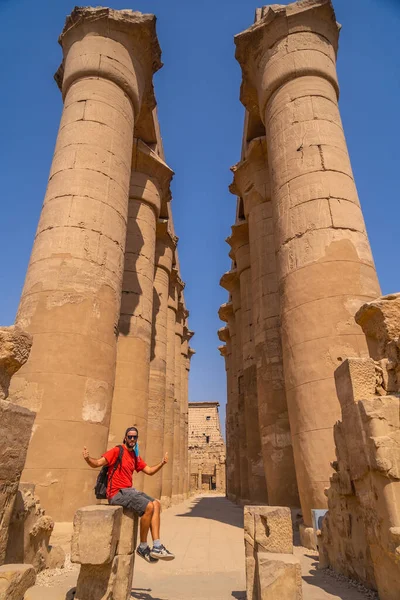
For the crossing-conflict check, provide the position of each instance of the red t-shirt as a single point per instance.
(122, 477)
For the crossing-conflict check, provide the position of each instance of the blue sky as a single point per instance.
(201, 123)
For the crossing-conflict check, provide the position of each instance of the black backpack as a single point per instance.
(100, 489)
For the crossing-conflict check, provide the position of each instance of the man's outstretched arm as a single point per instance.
(153, 470)
(93, 462)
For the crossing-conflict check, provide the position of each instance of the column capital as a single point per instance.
(286, 42)
(187, 333)
(225, 312)
(251, 177)
(165, 245)
(176, 280)
(119, 45)
(239, 243)
(224, 334)
(151, 178)
(222, 350)
(229, 280)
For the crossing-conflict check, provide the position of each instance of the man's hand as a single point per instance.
(165, 459)
(85, 453)
(93, 462)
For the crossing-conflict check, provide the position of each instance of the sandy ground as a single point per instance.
(206, 535)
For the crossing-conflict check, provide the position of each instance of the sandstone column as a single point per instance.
(239, 241)
(169, 417)
(178, 461)
(186, 335)
(230, 281)
(165, 247)
(72, 293)
(324, 263)
(149, 188)
(226, 352)
(227, 314)
(191, 353)
(251, 183)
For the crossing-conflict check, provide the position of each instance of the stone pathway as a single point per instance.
(206, 534)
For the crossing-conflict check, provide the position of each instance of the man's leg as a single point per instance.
(155, 520)
(146, 521)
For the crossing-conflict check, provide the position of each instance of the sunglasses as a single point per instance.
(132, 437)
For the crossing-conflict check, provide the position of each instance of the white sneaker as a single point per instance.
(161, 553)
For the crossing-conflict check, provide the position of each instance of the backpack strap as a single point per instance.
(116, 464)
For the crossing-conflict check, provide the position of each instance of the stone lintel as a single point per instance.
(140, 39)
(253, 48)
(229, 280)
(225, 312)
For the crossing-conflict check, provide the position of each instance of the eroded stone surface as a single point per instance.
(15, 346)
(360, 534)
(15, 580)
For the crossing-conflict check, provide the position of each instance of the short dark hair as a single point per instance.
(130, 429)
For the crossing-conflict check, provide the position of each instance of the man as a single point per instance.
(121, 493)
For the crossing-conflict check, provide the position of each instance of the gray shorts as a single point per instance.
(131, 499)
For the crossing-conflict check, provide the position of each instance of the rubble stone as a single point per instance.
(15, 580)
(360, 535)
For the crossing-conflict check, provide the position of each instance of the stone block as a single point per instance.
(279, 576)
(93, 581)
(128, 534)
(121, 582)
(101, 582)
(96, 534)
(15, 580)
(307, 537)
(270, 528)
(16, 425)
(55, 558)
(355, 380)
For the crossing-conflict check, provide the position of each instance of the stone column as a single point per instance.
(251, 183)
(178, 461)
(149, 189)
(191, 353)
(165, 247)
(239, 241)
(169, 417)
(184, 418)
(226, 352)
(72, 293)
(230, 281)
(227, 314)
(324, 262)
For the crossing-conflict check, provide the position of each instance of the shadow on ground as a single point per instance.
(239, 595)
(216, 508)
(338, 589)
(143, 594)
